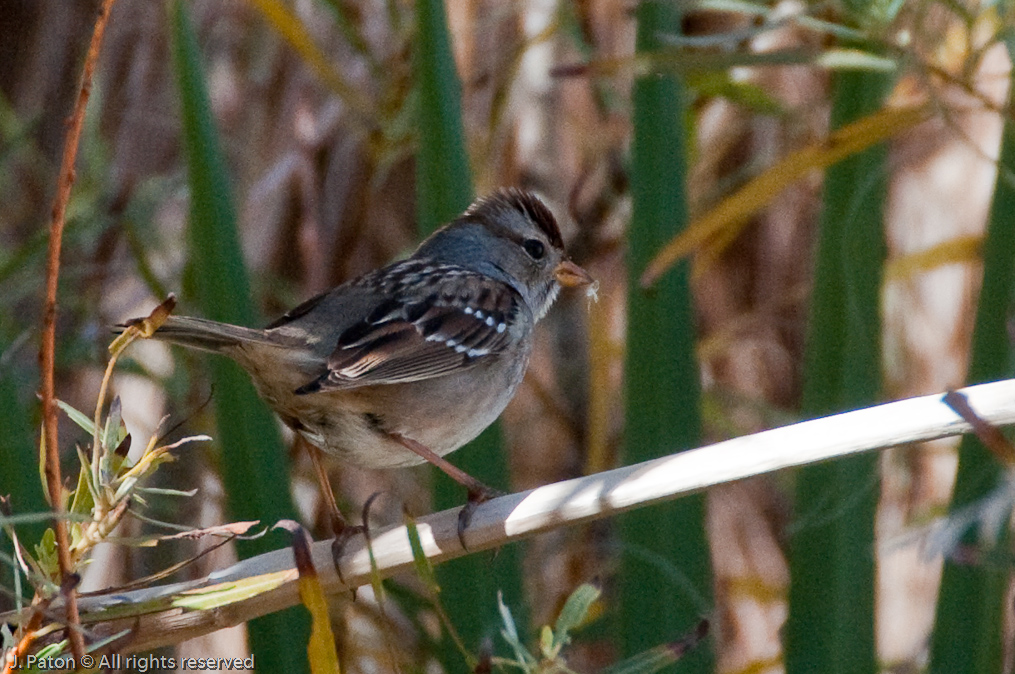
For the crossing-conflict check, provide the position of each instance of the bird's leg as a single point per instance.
(478, 492)
(341, 529)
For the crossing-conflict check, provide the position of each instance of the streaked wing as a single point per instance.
(423, 331)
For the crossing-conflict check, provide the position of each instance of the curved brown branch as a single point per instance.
(47, 348)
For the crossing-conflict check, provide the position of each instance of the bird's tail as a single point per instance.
(200, 333)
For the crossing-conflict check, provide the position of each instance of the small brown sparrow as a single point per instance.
(411, 361)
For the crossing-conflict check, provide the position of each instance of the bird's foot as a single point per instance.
(342, 535)
(478, 493)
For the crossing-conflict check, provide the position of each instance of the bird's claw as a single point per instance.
(477, 496)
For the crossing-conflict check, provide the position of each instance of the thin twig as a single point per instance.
(990, 435)
(15, 656)
(54, 481)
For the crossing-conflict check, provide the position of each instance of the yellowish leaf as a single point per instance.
(292, 29)
(953, 251)
(730, 216)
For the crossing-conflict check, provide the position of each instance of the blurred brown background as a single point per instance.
(322, 198)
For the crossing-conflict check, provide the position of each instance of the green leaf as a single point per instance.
(29, 518)
(443, 178)
(80, 418)
(748, 94)
(443, 191)
(115, 430)
(253, 458)
(969, 624)
(376, 582)
(206, 599)
(663, 401)
(547, 643)
(574, 613)
(854, 59)
(45, 554)
(84, 492)
(510, 633)
(831, 619)
(646, 662)
(20, 461)
(424, 569)
(161, 491)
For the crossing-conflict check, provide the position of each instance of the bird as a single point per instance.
(411, 361)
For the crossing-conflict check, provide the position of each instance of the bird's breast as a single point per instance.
(442, 413)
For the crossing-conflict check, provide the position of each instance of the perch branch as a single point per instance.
(160, 616)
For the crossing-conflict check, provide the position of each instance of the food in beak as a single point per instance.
(570, 275)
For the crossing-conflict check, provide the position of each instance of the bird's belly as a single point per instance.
(356, 425)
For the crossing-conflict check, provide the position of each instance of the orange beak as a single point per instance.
(570, 275)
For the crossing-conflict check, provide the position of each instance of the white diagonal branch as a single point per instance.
(163, 619)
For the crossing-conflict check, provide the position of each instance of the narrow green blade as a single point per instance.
(443, 179)
(19, 474)
(969, 625)
(665, 575)
(252, 458)
(831, 621)
(443, 190)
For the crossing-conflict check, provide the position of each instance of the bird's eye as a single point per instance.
(534, 248)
